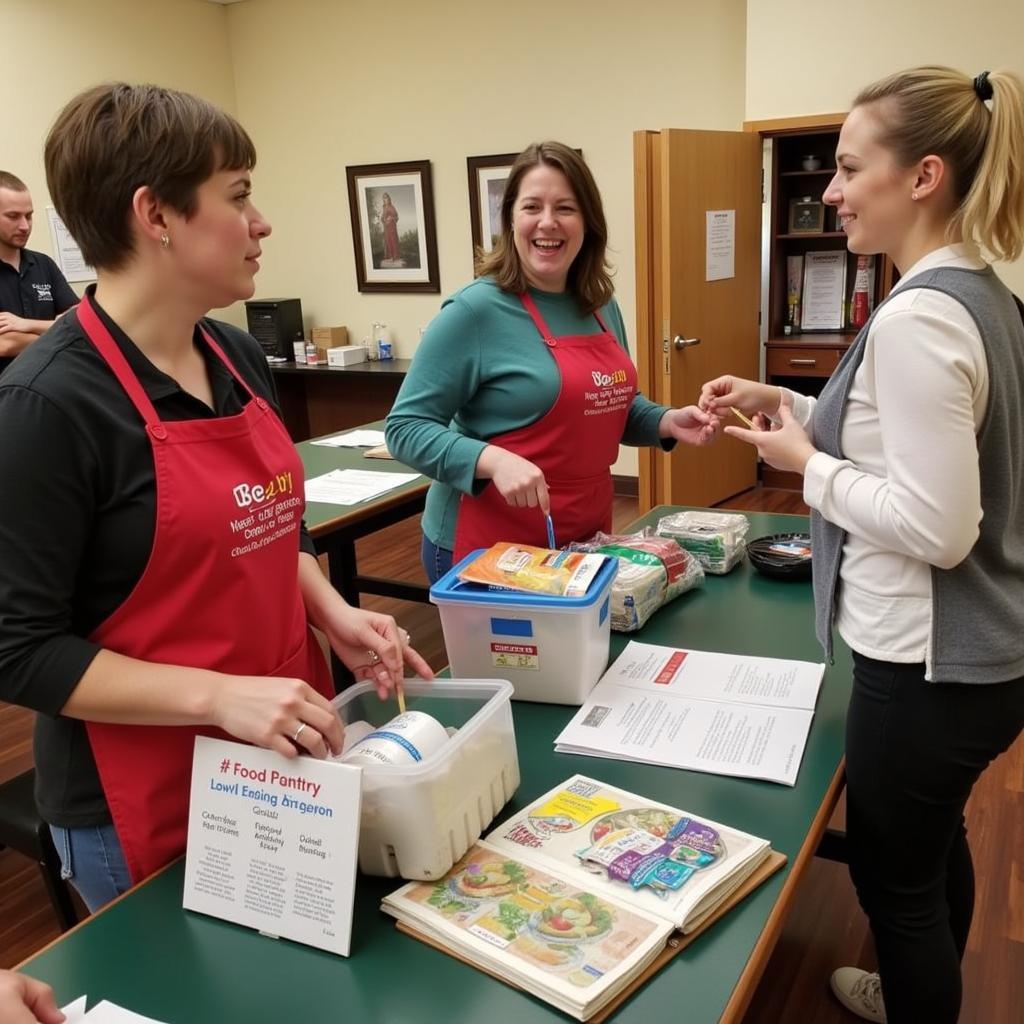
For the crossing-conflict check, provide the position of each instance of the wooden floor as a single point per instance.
(825, 929)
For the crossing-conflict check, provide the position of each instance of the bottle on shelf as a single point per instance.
(861, 300)
(311, 354)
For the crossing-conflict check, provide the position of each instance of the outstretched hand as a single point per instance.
(689, 425)
(786, 446)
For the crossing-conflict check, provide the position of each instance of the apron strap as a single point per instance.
(112, 355)
(222, 355)
(549, 339)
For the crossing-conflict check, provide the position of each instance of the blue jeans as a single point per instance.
(92, 861)
(436, 561)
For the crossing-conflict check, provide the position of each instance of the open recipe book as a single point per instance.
(585, 893)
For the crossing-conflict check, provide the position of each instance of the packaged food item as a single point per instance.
(652, 571)
(715, 538)
(509, 566)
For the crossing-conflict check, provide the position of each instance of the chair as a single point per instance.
(24, 831)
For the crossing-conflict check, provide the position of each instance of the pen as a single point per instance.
(551, 531)
(740, 416)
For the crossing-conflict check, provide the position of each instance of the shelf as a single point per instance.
(812, 234)
(807, 174)
(814, 339)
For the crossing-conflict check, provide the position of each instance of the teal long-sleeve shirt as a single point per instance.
(482, 369)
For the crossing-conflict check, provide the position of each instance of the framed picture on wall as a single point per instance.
(393, 233)
(487, 177)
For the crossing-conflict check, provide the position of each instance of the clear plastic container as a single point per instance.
(554, 649)
(418, 819)
(716, 539)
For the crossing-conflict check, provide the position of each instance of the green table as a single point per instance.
(336, 528)
(146, 953)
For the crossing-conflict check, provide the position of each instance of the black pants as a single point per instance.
(914, 750)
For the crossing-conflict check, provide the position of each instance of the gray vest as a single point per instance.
(977, 606)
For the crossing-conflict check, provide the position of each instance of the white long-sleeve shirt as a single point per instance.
(908, 491)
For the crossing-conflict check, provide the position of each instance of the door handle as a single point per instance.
(681, 343)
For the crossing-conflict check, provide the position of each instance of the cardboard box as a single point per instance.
(346, 355)
(329, 337)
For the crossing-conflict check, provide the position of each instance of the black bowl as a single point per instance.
(783, 556)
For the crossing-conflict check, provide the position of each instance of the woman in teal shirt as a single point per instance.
(522, 388)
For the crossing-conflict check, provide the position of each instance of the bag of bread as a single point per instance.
(652, 572)
(509, 566)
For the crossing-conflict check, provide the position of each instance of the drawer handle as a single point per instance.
(803, 362)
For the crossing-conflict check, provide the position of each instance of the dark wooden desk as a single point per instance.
(146, 953)
(318, 400)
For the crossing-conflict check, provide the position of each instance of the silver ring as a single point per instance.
(298, 732)
(407, 640)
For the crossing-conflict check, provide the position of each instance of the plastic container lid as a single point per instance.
(450, 588)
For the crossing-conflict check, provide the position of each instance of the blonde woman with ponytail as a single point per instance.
(913, 465)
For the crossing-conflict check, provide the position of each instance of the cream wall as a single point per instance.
(805, 64)
(55, 48)
(322, 84)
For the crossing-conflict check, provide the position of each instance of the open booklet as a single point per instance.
(728, 714)
(584, 893)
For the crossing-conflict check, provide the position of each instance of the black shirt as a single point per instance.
(77, 514)
(37, 290)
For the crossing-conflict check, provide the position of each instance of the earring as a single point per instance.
(913, 195)
(165, 239)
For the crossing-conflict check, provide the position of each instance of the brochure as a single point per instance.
(578, 895)
(729, 714)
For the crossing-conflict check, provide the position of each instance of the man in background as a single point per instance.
(33, 291)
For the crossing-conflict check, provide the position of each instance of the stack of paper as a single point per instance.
(729, 714)
(350, 486)
(352, 439)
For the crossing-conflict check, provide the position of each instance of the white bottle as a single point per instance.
(311, 356)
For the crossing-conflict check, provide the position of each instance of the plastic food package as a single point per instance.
(652, 572)
(715, 538)
(534, 570)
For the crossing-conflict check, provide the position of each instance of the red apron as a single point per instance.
(574, 443)
(220, 592)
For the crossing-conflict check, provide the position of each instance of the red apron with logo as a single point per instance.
(574, 443)
(220, 592)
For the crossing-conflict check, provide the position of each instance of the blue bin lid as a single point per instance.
(450, 588)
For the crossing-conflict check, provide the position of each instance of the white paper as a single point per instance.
(351, 486)
(273, 843)
(720, 713)
(824, 291)
(353, 439)
(66, 252)
(104, 1012)
(74, 1011)
(720, 245)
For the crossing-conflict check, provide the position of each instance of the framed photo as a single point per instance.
(824, 291)
(806, 216)
(393, 233)
(487, 177)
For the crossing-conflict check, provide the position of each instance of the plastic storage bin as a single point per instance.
(553, 649)
(417, 820)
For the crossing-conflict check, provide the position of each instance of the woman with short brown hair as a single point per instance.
(157, 581)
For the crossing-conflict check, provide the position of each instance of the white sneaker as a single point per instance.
(860, 992)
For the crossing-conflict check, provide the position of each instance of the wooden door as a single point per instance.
(689, 329)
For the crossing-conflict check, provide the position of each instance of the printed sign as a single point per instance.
(273, 842)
